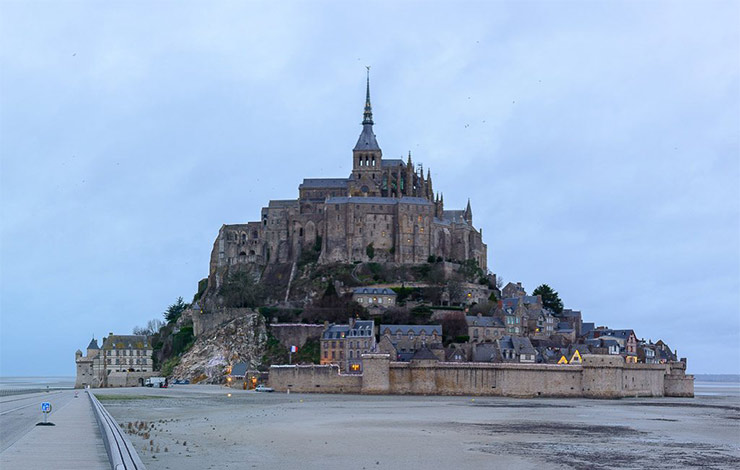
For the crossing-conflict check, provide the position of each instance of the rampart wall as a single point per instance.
(598, 377)
(295, 334)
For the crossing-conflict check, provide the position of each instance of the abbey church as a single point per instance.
(384, 211)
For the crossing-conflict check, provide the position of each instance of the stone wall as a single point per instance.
(128, 379)
(205, 321)
(314, 378)
(598, 377)
(295, 334)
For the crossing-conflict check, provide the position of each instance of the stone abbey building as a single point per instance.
(385, 208)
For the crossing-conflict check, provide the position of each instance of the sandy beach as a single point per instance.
(203, 427)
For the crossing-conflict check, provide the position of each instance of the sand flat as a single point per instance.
(203, 428)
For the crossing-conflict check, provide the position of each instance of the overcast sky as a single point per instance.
(598, 143)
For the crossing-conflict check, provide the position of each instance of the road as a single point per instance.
(20, 413)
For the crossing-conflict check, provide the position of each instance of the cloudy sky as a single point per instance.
(598, 143)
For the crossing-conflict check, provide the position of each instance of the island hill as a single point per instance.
(373, 282)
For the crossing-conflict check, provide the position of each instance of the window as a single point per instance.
(333, 355)
(326, 354)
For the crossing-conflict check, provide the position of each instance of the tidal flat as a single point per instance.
(211, 427)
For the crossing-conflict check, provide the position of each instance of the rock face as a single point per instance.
(242, 339)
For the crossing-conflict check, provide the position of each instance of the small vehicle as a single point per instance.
(160, 382)
(263, 388)
(181, 382)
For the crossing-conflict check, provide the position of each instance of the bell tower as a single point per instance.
(366, 156)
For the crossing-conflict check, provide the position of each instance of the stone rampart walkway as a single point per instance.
(74, 443)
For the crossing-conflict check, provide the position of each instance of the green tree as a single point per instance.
(174, 311)
(240, 291)
(550, 298)
(370, 251)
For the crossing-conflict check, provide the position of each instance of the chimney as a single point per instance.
(326, 325)
(351, 322)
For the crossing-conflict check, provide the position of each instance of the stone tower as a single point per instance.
(366, 156)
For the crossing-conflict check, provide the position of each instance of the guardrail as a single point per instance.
(121, 452)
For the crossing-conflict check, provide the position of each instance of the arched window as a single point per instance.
(255, 235)
(244, 237)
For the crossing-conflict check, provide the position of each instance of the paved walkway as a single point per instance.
(74, 443)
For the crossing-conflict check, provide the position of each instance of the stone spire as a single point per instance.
(367, 140)
(468, 214)
(430, 189)
(368, 115)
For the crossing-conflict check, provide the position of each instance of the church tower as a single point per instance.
(366, 156)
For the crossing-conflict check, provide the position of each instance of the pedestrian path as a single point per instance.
(74, 443)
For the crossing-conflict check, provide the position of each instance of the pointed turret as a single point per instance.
(468, 214)
(410, 176)
(430, 189)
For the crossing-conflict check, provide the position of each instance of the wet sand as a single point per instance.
(201, 427)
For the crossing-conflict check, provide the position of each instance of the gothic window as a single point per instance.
(244, 237)
(255, 235)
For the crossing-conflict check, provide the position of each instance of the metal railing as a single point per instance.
(121, 452)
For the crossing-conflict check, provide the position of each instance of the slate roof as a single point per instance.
(360, 328)
(416, 329)
(474, 320)
(484, 352)
(278, 203)
(457, 217)
(564, 326)
(392, 162)
(367, 140)
(93, 344)
(622, 334)
(520, 344)
(586, 328)
(324, 183)
(239, 369)
(424, 354)
(125, 342)
(378, 200)
(373, 290)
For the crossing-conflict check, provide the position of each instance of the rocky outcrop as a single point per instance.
(242, 339)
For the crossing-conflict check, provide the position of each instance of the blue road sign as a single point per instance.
(46, 407)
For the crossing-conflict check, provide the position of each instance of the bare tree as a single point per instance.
(152, 327)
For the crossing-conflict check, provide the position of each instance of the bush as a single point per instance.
(169, 365)
(183, 340)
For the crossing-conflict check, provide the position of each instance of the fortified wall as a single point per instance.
(599, 376)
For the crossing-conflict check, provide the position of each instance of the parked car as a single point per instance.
(263, 388)
(181, 382)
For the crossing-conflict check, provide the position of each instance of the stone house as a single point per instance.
(344, 345)
(127, 358)
(127, 353)
(482, 328)
(646, 352)
(386, 210)
(401, 342)
(515, 349)
(512, 290)
(663, 353)
(546, 322)
(374, 298)
(626, 339)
